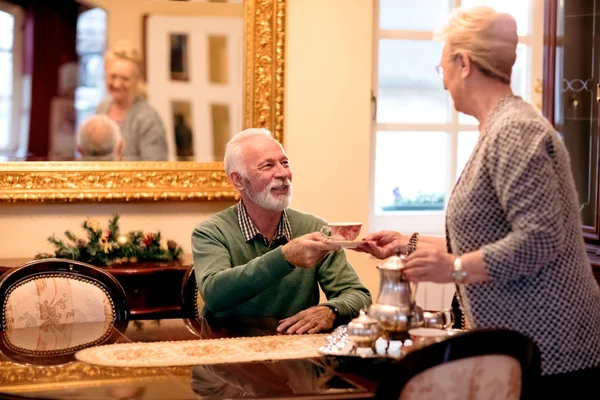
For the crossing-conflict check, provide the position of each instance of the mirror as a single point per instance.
(259, 103)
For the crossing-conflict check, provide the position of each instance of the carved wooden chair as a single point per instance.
(480, 364)
(56, 307)
(191, 301)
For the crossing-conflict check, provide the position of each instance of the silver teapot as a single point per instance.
(363, 332)
(396, 309)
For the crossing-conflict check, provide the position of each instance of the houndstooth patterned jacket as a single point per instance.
(516, 201)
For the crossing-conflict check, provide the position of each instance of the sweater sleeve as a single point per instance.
(342, 287)
(524, 172)
(224, 286)
(152, 137)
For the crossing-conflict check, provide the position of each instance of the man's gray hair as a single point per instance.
(234, 148)
(98, 138)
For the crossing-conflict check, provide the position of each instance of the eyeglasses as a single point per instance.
(440, 71)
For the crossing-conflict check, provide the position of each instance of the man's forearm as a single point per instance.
(225, 288)
(350, 302)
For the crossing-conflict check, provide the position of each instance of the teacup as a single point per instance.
(425, 336)
(342, 231)
(438, 319)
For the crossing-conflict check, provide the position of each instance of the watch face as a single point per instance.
(459, 276)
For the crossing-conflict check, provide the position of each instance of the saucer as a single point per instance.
(347, 244)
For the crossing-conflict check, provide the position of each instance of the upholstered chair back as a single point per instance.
(52, 292)
(480, 364)
(487, 377)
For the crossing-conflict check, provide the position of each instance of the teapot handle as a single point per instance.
(448, 317)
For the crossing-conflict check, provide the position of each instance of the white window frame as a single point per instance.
(17, 59)
(432, 222)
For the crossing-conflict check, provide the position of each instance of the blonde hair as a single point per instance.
(488, 37)
(123, 50)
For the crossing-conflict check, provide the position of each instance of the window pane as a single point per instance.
(5, 110)
(183, 129)
(91, 70)
(221, 127)
(422, 15)
(217, 59)
(519, 80)
(520, 9)
(6, 31)
(410, 90)
(91, 31)
(410, 171)
(6, 72)
(466, 144)
(91, 41)
(179, 50)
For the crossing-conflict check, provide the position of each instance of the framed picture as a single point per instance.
(179, 66)
(183, 130)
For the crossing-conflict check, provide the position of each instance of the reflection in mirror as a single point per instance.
(221, 128)
(204, 70)
(205, 73)
(182, 127)
(53, 87)
(179, 57)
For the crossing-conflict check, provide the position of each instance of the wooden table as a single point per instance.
(319, 378)
(153, 289)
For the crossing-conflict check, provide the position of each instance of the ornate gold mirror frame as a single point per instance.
(264, 26)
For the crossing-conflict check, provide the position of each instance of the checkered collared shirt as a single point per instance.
(250, 232)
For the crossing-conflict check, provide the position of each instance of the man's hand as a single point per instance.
(312, 320)
(381, 244)
(307, 250)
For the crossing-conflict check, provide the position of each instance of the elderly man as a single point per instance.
(99, 139)
(261, 258)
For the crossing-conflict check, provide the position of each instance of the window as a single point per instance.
(91, 41)
(11, 18)
(420, 144)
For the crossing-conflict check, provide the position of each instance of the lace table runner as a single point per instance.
(210, 351)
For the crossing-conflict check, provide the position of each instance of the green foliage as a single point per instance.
(108, 246)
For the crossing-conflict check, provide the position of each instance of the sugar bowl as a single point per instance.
(363, 332)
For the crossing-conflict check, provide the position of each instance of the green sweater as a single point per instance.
(239, 278)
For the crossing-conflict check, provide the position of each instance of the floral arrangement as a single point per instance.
(104, 247)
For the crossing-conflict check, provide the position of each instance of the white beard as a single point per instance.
(267, 201)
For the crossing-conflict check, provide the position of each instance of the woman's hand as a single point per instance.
(381, 244)
(429, 265)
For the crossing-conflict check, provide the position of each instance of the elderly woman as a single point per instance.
(140, 124)
(514, 244)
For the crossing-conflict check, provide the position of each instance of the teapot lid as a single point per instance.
(394, 262)
(362, 320)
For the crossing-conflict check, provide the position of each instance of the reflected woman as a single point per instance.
(140, 124)
(514, 243)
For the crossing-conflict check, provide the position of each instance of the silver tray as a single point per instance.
(338, 344)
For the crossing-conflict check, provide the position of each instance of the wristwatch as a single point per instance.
(458, 273)
(335, 311)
